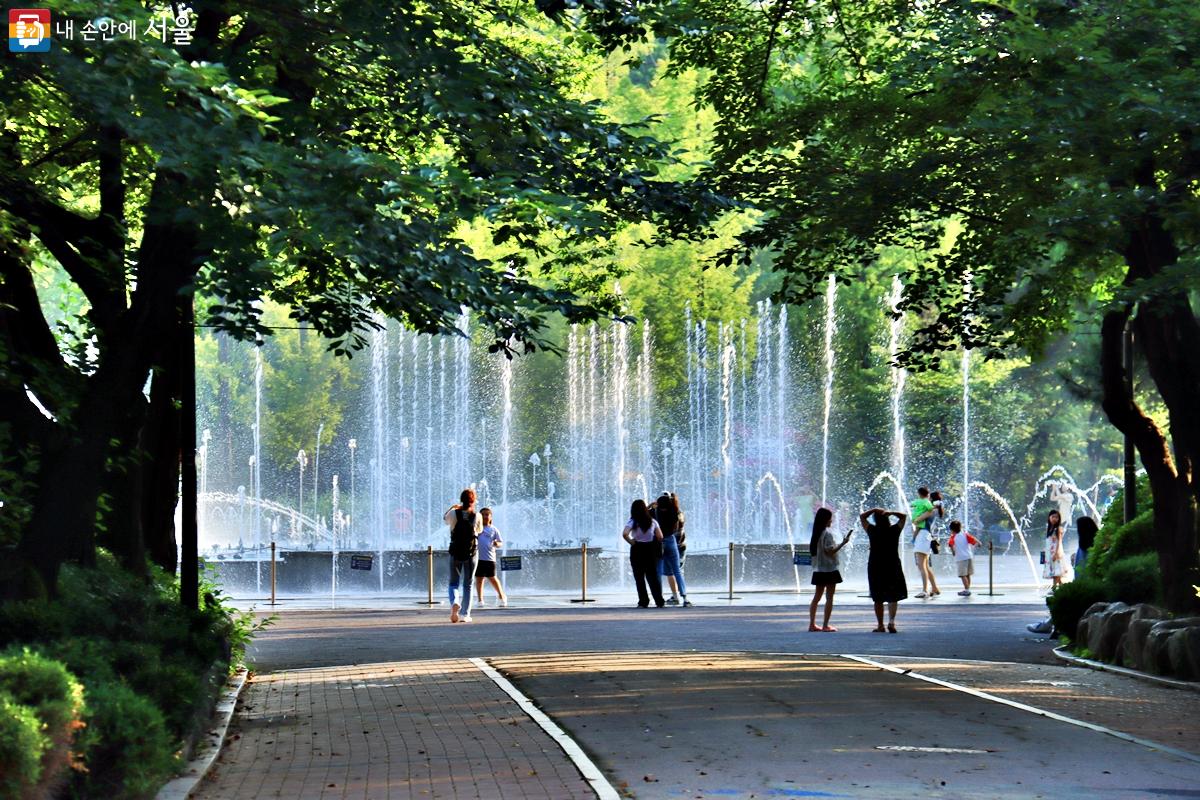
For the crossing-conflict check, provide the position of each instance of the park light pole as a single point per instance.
(317, 473)
(534, 461)
(350, 522)
(546, 453)
(302, 460)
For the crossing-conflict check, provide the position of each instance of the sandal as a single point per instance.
(813, 629)
(879, 630)
(891, 627)
(829, 629)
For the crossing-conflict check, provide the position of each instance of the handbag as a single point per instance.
(934, 547)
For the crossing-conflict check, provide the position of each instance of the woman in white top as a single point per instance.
(645, 550)
(1053, 556)
(826, 571)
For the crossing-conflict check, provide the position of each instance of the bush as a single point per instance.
(22, 745)
(1135, 579)
(142, 660)
(44, 685)
(1070, 600)
(128, 750)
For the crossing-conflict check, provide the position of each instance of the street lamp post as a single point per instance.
(317, 473)
(350, 523)
(546, 453)
(302, 460)
(534, 461)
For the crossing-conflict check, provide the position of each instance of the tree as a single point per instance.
(1041, 154)
(320, 156)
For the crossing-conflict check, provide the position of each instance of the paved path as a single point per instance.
(943, 628)
(409, 730)
(713, 701)
(745, 725)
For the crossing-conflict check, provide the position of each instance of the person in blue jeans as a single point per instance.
(670, 519)
(465, 525)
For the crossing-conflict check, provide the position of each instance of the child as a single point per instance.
(962, 545)
(489, 540)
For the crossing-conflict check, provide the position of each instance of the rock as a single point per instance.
(1180, 646)
(1105, 629)
(1155, 655)
(1129, 651)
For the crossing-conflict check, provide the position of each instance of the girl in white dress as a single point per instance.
(1055, 560)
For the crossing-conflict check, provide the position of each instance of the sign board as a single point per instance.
(509, 563)
(802, 559)
(361, 562)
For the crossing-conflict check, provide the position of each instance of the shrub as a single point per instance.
(1134, 579)
(1121, 540)
(128, 750)
(44, 685)
(22, 745)
(1070, 600)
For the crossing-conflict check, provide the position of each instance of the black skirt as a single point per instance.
(819, 578)
(486, 569)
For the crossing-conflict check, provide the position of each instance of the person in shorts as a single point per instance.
(489, 540)
(962, 545)
(826, 574)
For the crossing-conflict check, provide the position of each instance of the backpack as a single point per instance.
(462, 536)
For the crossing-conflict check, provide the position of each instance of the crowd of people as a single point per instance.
(656, 536)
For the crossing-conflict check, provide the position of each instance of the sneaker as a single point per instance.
(454, 612)
(1043, 627)
(687, 603)
(466, 618)
(480, 604)
(673, 600)
(504, 603)
(920, 595)
(964, 593)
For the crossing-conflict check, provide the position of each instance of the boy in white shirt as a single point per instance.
(962, 545)
(489, 540)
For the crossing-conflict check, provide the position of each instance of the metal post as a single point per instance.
(430, 601)
(991, 551)
(1130, 450)
(583, 598)
(730, 562)
(272, 573)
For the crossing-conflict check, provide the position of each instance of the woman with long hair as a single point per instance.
(465, 526)
(826, 574)
(670, 519)
(925, 511)
(645, 550)
(1052, 555)
(1087, 529)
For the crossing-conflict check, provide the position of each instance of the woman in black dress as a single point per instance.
(885, 576)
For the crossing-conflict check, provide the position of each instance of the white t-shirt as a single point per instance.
(487, 543)
(822, 561)
(961, 543)
(640, 535)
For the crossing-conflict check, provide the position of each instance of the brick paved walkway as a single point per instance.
(428, 729)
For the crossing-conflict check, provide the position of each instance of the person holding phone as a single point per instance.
(826, 570)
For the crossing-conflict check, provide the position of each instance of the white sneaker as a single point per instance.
(466, 618)
(480, 604)
(504, 603)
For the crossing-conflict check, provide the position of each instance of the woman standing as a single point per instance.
(645, 550)
(885, 576)
(1052, 554)
(925, 511)
(826, 573)
(465, 526)
(670, 520)
(1086, 528)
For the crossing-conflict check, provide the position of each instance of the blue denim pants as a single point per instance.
(462, 575)
(670, 563)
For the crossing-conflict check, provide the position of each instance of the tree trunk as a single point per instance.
(161, 471)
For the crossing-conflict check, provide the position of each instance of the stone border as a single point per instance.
(209, 748)
(1101, 666)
